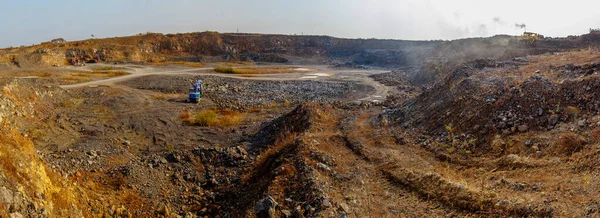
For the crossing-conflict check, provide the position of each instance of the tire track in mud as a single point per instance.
(382, 174)
(430, 186)
(405, 201)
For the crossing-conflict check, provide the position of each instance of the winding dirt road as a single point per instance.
(316, 72)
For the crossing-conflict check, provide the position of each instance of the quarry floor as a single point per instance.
(297, 73)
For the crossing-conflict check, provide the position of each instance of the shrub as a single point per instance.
(116, 73)
(205, 118)
(160, 97)
(229, 118)
(574, 111)
(185, 116)
(169, 148)
(87, 74)
(252, 70)
(103, 68)
(183, 63)
(222, 69)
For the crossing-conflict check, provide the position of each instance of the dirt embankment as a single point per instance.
(486, 98)
(28, 185)
(447, 56)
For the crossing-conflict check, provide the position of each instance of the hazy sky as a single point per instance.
(26, 22)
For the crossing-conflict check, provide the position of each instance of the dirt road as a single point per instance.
(313, 72)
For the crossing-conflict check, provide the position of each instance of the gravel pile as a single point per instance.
(243, 94)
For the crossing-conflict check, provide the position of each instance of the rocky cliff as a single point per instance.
(213, 47)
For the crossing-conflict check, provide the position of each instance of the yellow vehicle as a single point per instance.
(531, 37)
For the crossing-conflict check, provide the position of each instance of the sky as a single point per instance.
(27, 22)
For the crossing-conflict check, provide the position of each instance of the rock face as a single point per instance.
(266, 208)
(213, 46)
(382, 58)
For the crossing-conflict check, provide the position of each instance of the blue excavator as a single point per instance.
(196, 92)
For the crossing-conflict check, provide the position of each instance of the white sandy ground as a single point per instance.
(302, 69)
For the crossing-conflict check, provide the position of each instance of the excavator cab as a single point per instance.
(195, 92)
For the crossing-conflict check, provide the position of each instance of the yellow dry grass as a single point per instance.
(235, 64)
(543, 63)
(107, 68)
(100, 73)
(212, 117)
(182, 63)
(253, 70)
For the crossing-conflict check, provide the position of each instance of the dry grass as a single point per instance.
(107, 68)
(43, 75)
(213, 117)
(86, 76)
(269, 155)
(234, 64)
(100, 73)
(222, 69)
(76, 79)
(182, 63)
(253, 70)
(543, 65)
(160, 97)
(205, 118)
(545, 62)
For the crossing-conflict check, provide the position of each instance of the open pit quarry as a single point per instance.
(300, 126)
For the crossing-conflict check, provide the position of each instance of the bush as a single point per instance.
(103, 68)
(183, 63)
(205, 118)
(229, 118)
(116, 73)
(222, 69)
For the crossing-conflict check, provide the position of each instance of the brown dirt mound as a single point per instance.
(293, 123)
(497, 103)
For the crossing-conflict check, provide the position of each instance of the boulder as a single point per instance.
(323, 167)
(522, 128)
(265, 208)
(581, 123)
